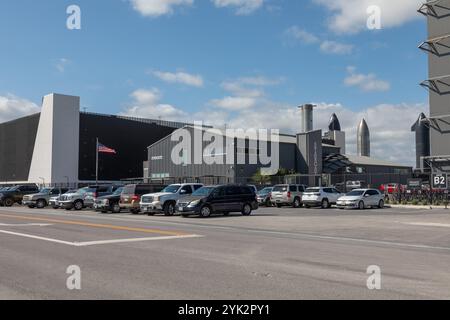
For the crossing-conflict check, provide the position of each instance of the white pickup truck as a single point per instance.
(165, 201)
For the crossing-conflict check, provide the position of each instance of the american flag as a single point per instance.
(104, 149)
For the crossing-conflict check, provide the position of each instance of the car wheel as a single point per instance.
(9, 202)
(246, 209)
(381, 204)
(361, 205)
(41, 203)
(115, 208)
(325, 204)
(78, 205)
(169, 209)
(134, 211)
(205, 212)
(296, 203)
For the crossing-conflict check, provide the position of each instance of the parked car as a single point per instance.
(218, 200)
(263, 196)
(42, 198)
(324, 197)
(85, 197)
(288, 194)
(109, 203)
(15, 194)
(54, 200)
(132, 193)
(361, 199)
(165, 201)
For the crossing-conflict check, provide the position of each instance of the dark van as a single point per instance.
(218, 199)
(132, 193)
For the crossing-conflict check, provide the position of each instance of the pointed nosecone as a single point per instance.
(334, 124)
(363, 139)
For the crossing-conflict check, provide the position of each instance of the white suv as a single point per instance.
(324, 197)
(165, 201)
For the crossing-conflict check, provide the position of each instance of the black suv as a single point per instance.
(108, 203)
(218, 199)
(15, 194)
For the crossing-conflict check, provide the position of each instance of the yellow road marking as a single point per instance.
(95, 225)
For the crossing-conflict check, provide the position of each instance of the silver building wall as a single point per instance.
(439, 65)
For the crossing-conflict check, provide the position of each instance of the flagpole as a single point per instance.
(96, 161)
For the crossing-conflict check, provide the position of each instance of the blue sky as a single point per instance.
(219, 59)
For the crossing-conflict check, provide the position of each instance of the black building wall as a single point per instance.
(17, 140)
(129, 138)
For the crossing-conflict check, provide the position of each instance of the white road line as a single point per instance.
(36, 237)
(428, 224)
(26, 225)
(93, 243)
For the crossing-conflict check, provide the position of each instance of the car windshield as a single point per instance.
(172, 188)
(356, 193)
(46, 190)
(280, 188)
(13, 188)
(312, 190)
(265, 191)
(203, 192)
(86, 190)
(118, 191)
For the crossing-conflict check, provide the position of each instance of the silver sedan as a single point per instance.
(361, 199)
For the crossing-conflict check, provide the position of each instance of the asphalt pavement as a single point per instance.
(274, 254)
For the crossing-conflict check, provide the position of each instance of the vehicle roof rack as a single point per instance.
(433, 45)
(440, 85)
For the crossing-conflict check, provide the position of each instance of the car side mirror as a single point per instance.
(367, 195)
(183, 192)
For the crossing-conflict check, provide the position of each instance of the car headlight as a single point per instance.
(194, 203)
(156, 198)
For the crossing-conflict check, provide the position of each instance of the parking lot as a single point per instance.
(274, 254)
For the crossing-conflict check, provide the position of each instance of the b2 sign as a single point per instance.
(440, 181)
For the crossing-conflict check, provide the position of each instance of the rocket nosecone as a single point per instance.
(422, 129)
(334, 124)
(363, 139)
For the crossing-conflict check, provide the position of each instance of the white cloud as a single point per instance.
(13, 107)
(243, 7)
(333, 47)
(246, 92)
(62, 64)
(146, 104)
(156, 8)
(180, 77)
(350, 16)
(234, 103)
(295, 34)
(298, 34)
(366, 82)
